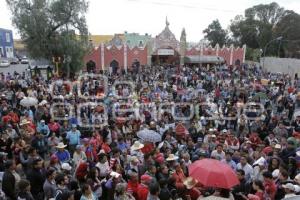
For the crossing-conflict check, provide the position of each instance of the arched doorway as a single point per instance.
(114, 66)
(91, 66)
(166, 56)
(135, 65)
(237, 62)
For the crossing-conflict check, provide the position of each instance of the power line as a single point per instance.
(188, 6)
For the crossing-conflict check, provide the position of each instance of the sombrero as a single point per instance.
(136, 146)
(172, 157)
(24, 122)
(190, 182)
(61, 145)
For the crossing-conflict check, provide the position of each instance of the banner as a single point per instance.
(165, 52)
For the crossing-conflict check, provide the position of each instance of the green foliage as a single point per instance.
(255, 29)
(215, 34)
(289, 29)
(253, 54)
(49, 28)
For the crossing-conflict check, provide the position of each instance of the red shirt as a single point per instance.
(194, 193)
(260, 195)
(179, 177)
(142, 192)
(270, 188)
(132, 188)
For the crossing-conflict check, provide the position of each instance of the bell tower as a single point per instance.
(183, 46)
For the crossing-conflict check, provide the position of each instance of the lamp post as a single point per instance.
(265, 49)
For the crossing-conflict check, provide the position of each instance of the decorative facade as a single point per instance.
(124, 52)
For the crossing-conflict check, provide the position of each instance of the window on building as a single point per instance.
(141, 44)
(7, 37)
(1, 52)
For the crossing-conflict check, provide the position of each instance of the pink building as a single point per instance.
(162, 49)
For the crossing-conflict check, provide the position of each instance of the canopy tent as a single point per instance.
(203, 59)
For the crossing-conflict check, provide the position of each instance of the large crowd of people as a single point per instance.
(80, 138)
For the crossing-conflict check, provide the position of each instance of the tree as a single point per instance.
(289, 28)
(215, 34)
(266, 13)
(255, 29)
(49, 28)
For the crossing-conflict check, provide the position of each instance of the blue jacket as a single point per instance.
(43, 128)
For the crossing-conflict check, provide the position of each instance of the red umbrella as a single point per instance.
(213, 173)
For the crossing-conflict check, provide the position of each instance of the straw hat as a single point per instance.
(190, 182)
(136, 146)
(24, 122)
(172, 157)
(61, 145)
(277, 146)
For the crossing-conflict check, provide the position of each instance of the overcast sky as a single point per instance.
(148, 16)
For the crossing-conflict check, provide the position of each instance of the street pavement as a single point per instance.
(19, 68)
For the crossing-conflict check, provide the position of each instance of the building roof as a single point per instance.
(166, 39)
(4, 29)
(98, 39)
(203, 59)
(136, 40)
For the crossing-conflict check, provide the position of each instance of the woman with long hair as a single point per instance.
(94, 182)
(87, 193)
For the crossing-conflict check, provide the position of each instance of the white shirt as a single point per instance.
(248, 169)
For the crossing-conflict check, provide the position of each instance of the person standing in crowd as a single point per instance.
(246, 167)
(43, 128)
(73, 137)
(153, 191)
(9, 180)
(269, 186)
(87, 193)
(79, 155)
(242, 189)
(36, 179)
(24, 190)
(62, 154)
(62, 182)
(143, 188)
(49, 186)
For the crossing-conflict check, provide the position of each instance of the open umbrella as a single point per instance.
(28, 101)
(213, 173)
(149, 135)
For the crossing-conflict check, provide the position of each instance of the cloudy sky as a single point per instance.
(148, 16)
